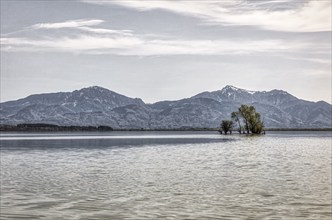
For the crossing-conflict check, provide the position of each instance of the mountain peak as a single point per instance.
(97, 88)
(230, 88)
(282, 92)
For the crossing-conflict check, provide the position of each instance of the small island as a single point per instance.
(248, 115)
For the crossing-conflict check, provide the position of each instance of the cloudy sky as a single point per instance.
(166, 50)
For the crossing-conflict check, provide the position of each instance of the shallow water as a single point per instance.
(166, 175)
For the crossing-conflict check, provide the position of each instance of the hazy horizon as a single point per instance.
(166, 50)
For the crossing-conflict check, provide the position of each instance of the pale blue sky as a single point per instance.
(165, 50)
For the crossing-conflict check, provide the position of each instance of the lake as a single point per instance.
(166, 175)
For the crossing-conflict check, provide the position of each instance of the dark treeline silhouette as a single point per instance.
(52, 127)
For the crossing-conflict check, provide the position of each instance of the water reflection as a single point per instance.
(103, 141)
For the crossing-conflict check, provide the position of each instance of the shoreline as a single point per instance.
(103, 128)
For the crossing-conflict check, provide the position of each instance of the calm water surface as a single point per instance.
(165, 175)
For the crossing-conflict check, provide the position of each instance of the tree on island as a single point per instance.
(251, 119)
(248, 115)
(226, 126)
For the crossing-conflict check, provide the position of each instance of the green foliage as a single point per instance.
(227, 126)
(251, 118)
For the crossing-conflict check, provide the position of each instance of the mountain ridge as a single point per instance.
(96, 105)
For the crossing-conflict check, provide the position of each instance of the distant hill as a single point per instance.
(96, 106)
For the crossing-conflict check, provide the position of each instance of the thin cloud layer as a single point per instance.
(80, 24)
(86, 38)
(142, 47)
(290, 16)
(68, 24)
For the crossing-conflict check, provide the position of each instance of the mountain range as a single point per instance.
(99, 106)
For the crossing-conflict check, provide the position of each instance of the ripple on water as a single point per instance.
(271, 177)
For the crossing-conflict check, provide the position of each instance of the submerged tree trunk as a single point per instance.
(238, 121)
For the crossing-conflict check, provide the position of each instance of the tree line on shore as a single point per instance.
(52, 127)
(246, 120)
